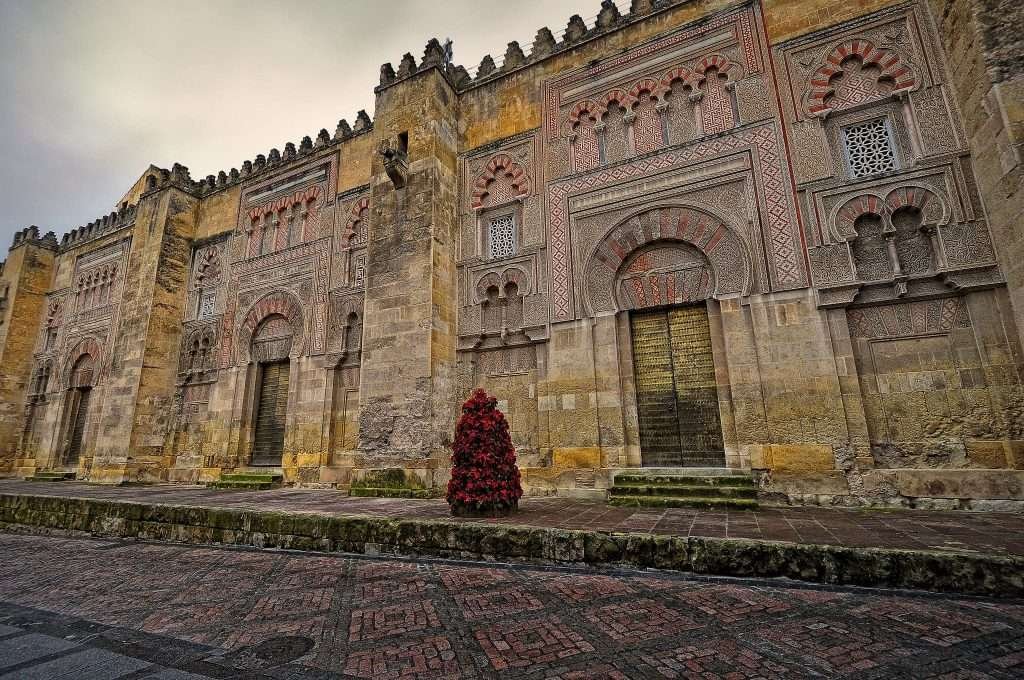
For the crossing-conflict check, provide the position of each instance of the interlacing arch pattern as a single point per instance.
(355, 227)
(901, 197)
(716, 61)
(500, 281)
(277, 302)
(886, 74)
(501, 168)
(94, 287)
(281, 223)
(86, 346)
(197, 350)
(644, 104)
(622, 99)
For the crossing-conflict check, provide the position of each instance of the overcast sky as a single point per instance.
(92, 92)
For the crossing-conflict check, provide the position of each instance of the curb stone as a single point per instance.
(950, 572)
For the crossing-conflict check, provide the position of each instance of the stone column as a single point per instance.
(407, 404)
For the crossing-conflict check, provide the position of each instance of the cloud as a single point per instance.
(95, 91)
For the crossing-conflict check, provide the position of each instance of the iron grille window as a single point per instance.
(869, 148)
(501, 237)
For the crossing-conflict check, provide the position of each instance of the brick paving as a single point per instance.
(984, 532)
(91, 608)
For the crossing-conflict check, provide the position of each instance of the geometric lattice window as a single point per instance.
(207, 301)
(869, 148)
(501, 237)
(359, 267)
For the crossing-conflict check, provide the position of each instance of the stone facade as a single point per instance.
(819, 188)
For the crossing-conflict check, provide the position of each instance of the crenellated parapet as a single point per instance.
(100, 227)
(30, 234)
(276, 159)
(544, 45)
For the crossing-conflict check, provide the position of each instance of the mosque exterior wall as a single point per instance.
(768, 236)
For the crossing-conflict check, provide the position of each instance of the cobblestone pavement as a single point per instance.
(96, 609)
(997, 533)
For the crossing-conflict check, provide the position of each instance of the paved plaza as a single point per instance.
(96, 609)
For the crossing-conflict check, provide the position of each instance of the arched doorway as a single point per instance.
(665, 286)
(271, 345)
(661, 270)
(78, 398)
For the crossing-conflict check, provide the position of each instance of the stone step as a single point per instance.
(683, 480)
(392, 492)
(673, 502)
(242, 485)
(249, 481)
(252, 476)
(684, 471)
(50, 476)
(684, 491)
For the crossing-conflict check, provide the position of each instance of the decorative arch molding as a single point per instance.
(651, 86)
(933, 208)
(209, 269)
(499, 280)
(892, 73)
(86, 346)
(502, 166)
(278, 302)
(358, 213)
(679, 74)
(198, 349)
(306, 197)
(617, 96)
(486, 282)
(586, 109)
(716, 61)
(724, 250)
(41, 376)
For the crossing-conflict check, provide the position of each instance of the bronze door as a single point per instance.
(78, 426)
(271, 409)
(676, 392)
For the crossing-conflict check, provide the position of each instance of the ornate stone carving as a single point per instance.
(782, 242)
(728, 269)
(831, 264)
(908, 318)
(280, 304)
(198, 350)
(90, 347)
(502, 180)
(855, 72)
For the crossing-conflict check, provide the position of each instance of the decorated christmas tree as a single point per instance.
(485, 479)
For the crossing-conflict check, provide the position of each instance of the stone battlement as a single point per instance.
(100, 227)
(30, 234)
(544, 45)
(276, 159)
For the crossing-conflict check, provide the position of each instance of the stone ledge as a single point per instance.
(966, 573)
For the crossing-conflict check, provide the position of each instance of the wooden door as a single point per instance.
(677, 396)
(81, 413)
(271, 412)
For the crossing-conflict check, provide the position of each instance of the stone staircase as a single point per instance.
(683, 488)
(248, 481)
(50, 476)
